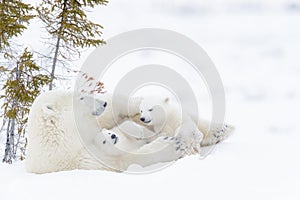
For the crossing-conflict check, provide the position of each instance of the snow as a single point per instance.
(237, 169)
(256, 50)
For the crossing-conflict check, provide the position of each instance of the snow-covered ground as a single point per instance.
(255, 46)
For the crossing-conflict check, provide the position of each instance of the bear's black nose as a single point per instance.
(113, 136)
(142, 119)
(105, 104)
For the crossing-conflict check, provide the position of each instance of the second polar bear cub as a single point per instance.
(126, 143)
(164, 116)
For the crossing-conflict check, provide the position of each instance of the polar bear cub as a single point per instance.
(127, 145)
(165, 116)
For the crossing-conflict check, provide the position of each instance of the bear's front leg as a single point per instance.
(189, 133)
(162, 149)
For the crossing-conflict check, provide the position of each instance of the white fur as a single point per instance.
(129, 146)
(63, 130)
(53, 140)
(166, 117)
(119, 109)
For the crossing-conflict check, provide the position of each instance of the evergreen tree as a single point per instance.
(21, 88)
(67, 22)
(14, 15)
(21, 80)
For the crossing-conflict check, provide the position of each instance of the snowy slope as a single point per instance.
(256, 50)
(238, 169)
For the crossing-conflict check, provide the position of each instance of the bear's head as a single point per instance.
(153, 110)
(114, 142)
(56, 102)
(108, 142)
(94, 106)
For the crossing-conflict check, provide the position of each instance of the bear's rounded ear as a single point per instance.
(48, 110)
(167, 99)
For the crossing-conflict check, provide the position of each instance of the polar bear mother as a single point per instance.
(60, 122)
(53, 140)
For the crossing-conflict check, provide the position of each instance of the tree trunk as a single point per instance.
(7, 154)
(54, 63)
(10, 132)
(52, 75)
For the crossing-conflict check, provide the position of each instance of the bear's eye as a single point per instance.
(81, 98)
(49, 107)
(141, 111)
(150, 109)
